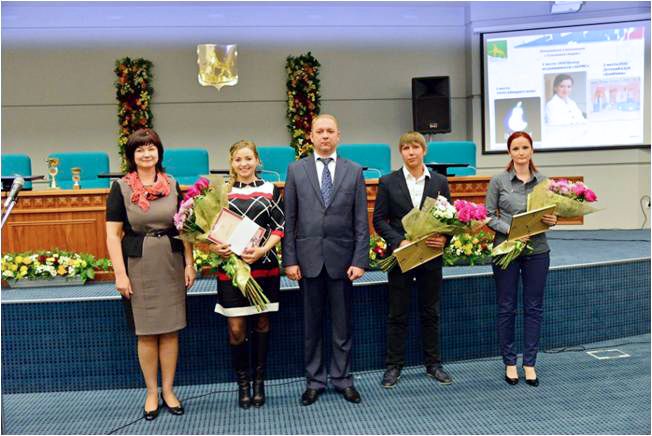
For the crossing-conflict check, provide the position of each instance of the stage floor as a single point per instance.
(578, 394)
(58, 374)
(569, 248)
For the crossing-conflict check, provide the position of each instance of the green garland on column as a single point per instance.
(303, 100)
(134, 94)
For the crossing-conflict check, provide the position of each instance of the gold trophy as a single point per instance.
(76, 177)
(53, 163)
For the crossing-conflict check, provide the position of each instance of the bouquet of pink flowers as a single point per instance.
(570, 198)
(439, 216)
(191, 219)
(195, 218)
(471, 214)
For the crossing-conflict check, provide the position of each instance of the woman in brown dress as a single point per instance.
(152, 269)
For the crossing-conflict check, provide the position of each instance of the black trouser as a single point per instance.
(428, 278)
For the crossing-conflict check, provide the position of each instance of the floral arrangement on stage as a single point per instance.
(303, 100)
(194, 220)
(468, 249)
(134, 94)
(205, 259)
(439, 216)
(377, 251)
(570, 200)
(49, 264)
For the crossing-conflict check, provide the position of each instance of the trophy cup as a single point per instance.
(53, 162)
(76, 177)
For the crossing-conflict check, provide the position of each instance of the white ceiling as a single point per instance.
(171, 23)
(365, 24)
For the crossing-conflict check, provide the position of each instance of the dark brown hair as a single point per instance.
(139, 138)
(512, 137)
(560, 78)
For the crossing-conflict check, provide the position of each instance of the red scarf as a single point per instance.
(142, 195)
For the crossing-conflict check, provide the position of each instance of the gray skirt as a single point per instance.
(158, 303)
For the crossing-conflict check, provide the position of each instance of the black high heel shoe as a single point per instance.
(150, 415)
(511, 381)
(532, 382)
(178, 410)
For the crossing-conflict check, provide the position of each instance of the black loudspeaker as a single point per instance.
(431, 104)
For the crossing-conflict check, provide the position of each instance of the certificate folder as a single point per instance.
(529, 223)
(239, 232)
(416, 253)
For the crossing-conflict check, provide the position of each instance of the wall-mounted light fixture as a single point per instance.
(565, 7)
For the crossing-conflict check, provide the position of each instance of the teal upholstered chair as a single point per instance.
(376, 157)
(453, 152)
(91, 164)
(17, 164)
(274, 161)
(186, 165)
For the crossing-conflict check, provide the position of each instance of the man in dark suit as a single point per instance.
(326, 246)
(398, 193)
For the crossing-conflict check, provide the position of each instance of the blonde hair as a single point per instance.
(243, 143)
(412, 137)
(328, 116)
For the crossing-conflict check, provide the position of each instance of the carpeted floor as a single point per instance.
(579, 394)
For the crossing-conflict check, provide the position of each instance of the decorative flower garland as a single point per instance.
(303, 100)
(134, 92)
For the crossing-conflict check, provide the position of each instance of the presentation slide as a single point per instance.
(569, 88)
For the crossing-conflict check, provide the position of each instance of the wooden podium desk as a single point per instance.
(75, 220)
(66, 219)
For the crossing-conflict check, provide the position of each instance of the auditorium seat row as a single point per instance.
(187, 164)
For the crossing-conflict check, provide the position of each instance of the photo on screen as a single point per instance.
(617, 96)
(566, 101)
(517, 114)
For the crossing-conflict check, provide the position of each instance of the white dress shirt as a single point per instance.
(560, 111)
(320, 166)
(416, 186)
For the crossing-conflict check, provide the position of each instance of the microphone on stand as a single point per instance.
(15, 189)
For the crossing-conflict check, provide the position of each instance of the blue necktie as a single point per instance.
(326, 181)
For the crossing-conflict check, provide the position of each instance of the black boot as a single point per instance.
(240, 356)
(260, 350)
